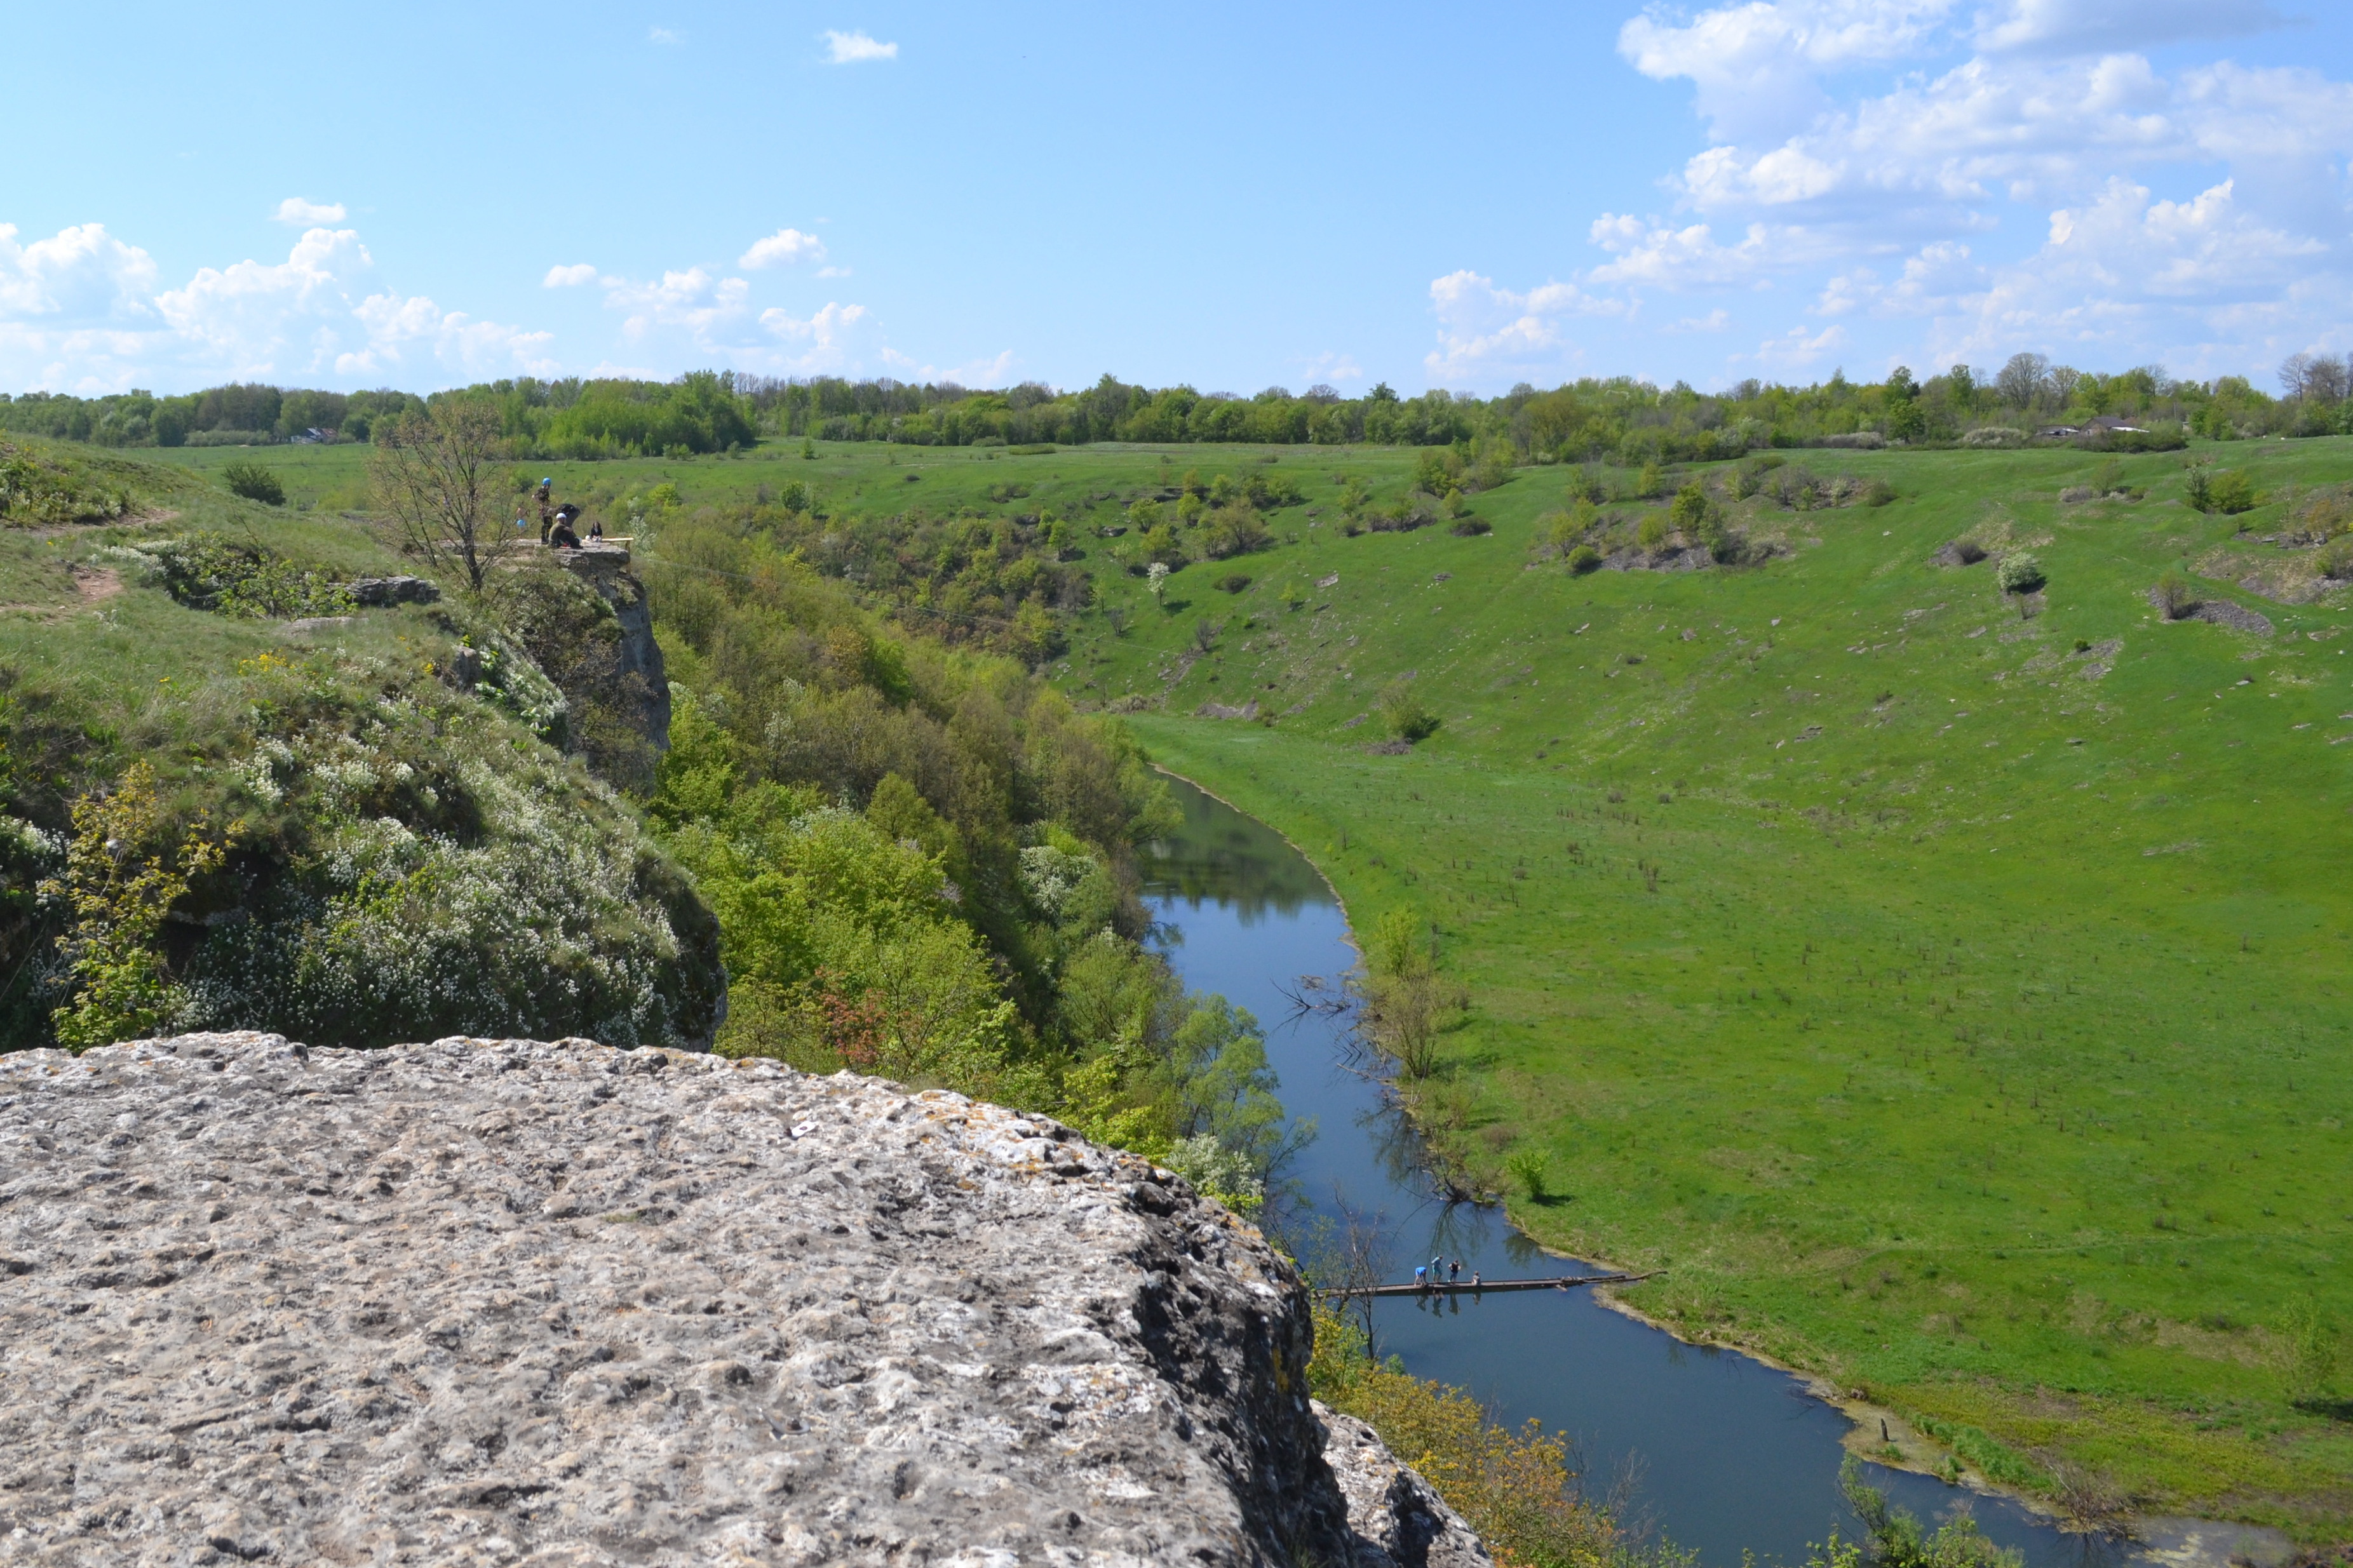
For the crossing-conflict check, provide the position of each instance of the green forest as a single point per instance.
(1619, 419)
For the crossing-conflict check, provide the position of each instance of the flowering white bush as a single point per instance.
(420, 870)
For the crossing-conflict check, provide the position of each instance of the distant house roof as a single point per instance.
(2102, 425)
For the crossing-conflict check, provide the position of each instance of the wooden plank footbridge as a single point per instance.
(1481, 1287)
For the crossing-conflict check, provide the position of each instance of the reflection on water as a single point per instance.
(1731, 1455)
(1235, 860)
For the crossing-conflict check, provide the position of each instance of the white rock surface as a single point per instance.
(517, 1302)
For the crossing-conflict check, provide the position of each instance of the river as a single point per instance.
(1727, 1454)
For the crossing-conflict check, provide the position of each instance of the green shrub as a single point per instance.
(35, 493)
(1878, 492)
(1233, 583)
(1403, 712)
(254, 482)
(244, 580)
(2020, 572)
(2176, 595)
(1583, 558)
(2232, 491)
(1527, 1167)
(2311, 1350)
(123, 873)
(2227, 491)
(1897, 1538)
(1652, 533)
(1515, 1489)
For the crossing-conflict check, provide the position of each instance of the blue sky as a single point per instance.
(1233, 197)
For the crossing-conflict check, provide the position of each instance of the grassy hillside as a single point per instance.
(1948, 990)
(1953, 1001)
(231, 798)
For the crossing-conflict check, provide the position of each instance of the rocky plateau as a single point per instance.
(508, 1301)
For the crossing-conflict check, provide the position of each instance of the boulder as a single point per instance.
(382, 591)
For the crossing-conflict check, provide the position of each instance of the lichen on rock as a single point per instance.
(515, 1301)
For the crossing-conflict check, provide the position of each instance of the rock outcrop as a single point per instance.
(639, 658)
(516, 1303)
(382, 591)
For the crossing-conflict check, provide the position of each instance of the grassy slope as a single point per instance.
(2003, 1074)
(120, 646)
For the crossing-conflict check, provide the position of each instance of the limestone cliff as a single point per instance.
(637, 657)
(507, 1301)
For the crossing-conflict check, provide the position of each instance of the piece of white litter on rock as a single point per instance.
(803, 1129)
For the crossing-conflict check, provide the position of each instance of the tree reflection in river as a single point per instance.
(1221, 855)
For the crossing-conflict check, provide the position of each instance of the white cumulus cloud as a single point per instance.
(1483, 327)
(693, 301)
(570, 276)
(820, 340)
(851, 48)
(80, 311)
(308, 214)
(783, 247)
(80, 275)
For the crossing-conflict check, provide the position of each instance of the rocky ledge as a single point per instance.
(506, 1302)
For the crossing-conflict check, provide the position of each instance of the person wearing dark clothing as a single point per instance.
(561, 534)
(546, 506)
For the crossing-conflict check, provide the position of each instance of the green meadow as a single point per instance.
(1948, 990)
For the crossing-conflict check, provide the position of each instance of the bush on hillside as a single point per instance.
(1583, 558)
(387, 858)
(2226, 490)
(1516, 1488)
(254, 482)
(2019, 573)
(1403, 712)
(35, 492)
(243, 579)
(2176, 595)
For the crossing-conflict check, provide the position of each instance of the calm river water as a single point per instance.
(1729, 1454)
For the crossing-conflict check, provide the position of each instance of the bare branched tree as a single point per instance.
(435, 479)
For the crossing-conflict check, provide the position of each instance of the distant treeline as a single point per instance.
(248, 413)
(1620, 419)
